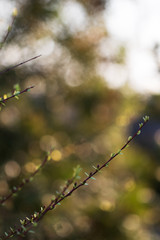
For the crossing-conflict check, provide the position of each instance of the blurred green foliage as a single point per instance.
(73, 110)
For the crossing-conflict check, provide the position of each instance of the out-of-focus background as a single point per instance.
(98, 75)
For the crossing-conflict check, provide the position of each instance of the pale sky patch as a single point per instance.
(135, 24)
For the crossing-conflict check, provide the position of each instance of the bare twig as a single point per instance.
(19, 64)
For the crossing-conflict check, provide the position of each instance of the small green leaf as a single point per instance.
(76, 171)
(16, 97)
(139, 132)
(22, 221)
(11, 229)
(53, 198)
(34, 224)
(140, 124)
(93, 178)
(30, 179)
(112, 155)
(16, 87)
(31, 231)
(146, 118)
(87, 174)
(42, 209)
(86, 184)
(24, 229)
(119, 152)
(129, 138)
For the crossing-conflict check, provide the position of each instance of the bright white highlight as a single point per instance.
(136, 25)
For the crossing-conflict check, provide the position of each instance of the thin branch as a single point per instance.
(7, 33)
(16, 94)
(19, 64)
(28, 223)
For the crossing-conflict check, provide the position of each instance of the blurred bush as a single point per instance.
(73, 110)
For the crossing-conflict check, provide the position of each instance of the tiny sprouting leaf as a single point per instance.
(24, 229)
(4, 96)
(34, 224)
(53, 198)
(22, 221)
(129, 138)
(9, 28)
(17, 87)
(76, 171)
(139, 132)
(18, 233)
(42, 209)
(93, 178)
(140, 125)
(3, 104)
(15, 12)
(86, 174)
(16, 97)
(31, 231)
(6, 234)
(146, 118)
(119, 152)
(112, 155)
(11, 229)
(30, 179)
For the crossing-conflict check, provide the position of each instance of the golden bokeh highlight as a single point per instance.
(46, 199)
(30, 167)
(130, 185)
(12, 169)
(131, 222)
(55, 155)
(107, 206)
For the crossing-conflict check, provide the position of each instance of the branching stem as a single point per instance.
(28, 223)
